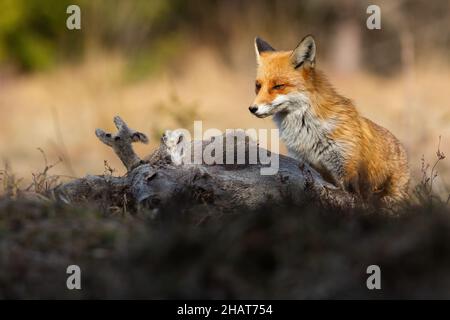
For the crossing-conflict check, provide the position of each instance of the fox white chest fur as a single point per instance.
(305, 135)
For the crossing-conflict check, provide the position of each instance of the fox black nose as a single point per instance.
(253, 109)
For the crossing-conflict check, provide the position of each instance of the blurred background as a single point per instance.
(161, 64)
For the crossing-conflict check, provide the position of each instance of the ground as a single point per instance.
(275, 252)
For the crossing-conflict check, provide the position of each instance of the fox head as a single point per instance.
(282, 77)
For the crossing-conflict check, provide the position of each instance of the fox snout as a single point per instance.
(262, 110)
(253, 109)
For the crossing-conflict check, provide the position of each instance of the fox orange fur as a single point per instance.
(323, 128)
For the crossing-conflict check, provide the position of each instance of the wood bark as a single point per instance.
(156, 181)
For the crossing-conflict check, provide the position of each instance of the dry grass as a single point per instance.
(59, 111)
(424, 191)
(201, 253)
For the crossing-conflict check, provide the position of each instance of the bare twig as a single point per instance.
(41, 181)
(440, 156)
(121, 142)
(60, 143)
(425, 190)
(9, 181)
(109, 171)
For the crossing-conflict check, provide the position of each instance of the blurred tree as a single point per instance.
(33, 34)
(30, 31)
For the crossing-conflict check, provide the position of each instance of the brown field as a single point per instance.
(59, 110)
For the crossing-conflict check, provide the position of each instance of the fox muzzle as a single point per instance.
(253, 108)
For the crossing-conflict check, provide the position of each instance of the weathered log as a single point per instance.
(156, 181)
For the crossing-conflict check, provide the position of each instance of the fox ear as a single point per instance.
(304, 52)
(261, 46)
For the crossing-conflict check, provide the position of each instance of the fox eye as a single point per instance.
(257, 87)
(278, 87)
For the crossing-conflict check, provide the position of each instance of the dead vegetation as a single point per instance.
(190, 248)
(278, 251)
(43, 182)
(424, 192)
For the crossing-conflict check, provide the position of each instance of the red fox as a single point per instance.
(324, 129)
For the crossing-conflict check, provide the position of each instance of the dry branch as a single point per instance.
(157, 181)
